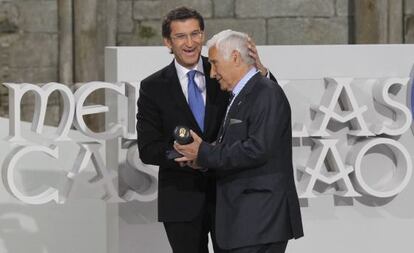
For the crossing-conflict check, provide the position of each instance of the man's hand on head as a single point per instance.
(255, 55)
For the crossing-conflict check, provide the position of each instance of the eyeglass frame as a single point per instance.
(194, 36)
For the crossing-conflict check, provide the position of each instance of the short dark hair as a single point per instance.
(180, 13)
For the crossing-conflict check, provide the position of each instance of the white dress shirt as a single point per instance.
(199, 78)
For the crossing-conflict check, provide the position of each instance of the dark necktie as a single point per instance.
(231, 97)
(195, 99)
(224, 124)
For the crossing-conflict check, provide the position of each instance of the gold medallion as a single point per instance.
(182, 132)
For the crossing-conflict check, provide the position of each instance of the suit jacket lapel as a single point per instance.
(211, 93)
(177, 94)
(240, 99)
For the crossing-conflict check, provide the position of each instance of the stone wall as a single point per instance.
(28, 50)
(29, 36)
(409, 21)
(267, 21)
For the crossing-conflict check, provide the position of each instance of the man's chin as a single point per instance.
(223, 87)
(191, 61)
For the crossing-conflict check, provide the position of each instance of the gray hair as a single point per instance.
(227, 41)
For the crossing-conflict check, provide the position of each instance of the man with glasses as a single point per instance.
(183, 93)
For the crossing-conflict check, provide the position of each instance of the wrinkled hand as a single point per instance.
(193, 164)
(189, 152)
(255, 55)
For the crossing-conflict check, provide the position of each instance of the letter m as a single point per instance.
(42, 94)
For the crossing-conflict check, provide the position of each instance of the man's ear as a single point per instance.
(236, 57)
(167, 43)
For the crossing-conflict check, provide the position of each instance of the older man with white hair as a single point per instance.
(257, 207)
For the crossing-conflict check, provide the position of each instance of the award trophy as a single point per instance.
(182, 136)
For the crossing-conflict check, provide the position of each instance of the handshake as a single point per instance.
(186, 147)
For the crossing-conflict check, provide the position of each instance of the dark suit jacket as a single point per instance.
(161, 107)
(257, 201)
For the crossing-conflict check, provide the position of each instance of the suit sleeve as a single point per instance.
(272, 77)
(151, 141)
(268, 120)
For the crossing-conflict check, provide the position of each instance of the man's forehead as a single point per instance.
(190, 23)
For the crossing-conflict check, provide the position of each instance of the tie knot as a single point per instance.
(191, 74)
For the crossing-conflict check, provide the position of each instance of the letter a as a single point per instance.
(336, 171)
(339, 91)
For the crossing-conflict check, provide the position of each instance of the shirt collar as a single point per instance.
(182, 71)
(239, 86)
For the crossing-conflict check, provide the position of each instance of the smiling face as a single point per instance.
(185, 41)
(223, 70)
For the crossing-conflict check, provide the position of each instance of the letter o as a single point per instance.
(400, 178)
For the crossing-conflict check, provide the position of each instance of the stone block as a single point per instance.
(4, 106)
(342, 8)
(256, 28)
(284, 8)
(4, 91)
(6, 39)
(125, 39)
(125, 22)
(205, 7)
(9, 18)
(297, 31)
(27, 112)
(4, 64)
(38, 16)
(4, 74)
(7, 27)
(409, 7)
(4, 56)
(409, 30)
(223, 8)
(35, 50)
(144, 10)
(149, 33)
(52, 116)
(33, 75)
(4, 102)
(146, 33)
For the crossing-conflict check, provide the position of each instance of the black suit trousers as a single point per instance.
(189, 237)
(278, 247)
(192, 236)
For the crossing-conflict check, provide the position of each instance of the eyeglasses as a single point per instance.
(195, 35)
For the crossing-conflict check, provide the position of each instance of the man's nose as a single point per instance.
(188, 40)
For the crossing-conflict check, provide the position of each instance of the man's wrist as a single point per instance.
(200, 156)
(264, 72)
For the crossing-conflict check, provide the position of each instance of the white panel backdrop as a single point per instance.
(331, 223)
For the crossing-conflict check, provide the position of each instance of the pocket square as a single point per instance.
(235, 121)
